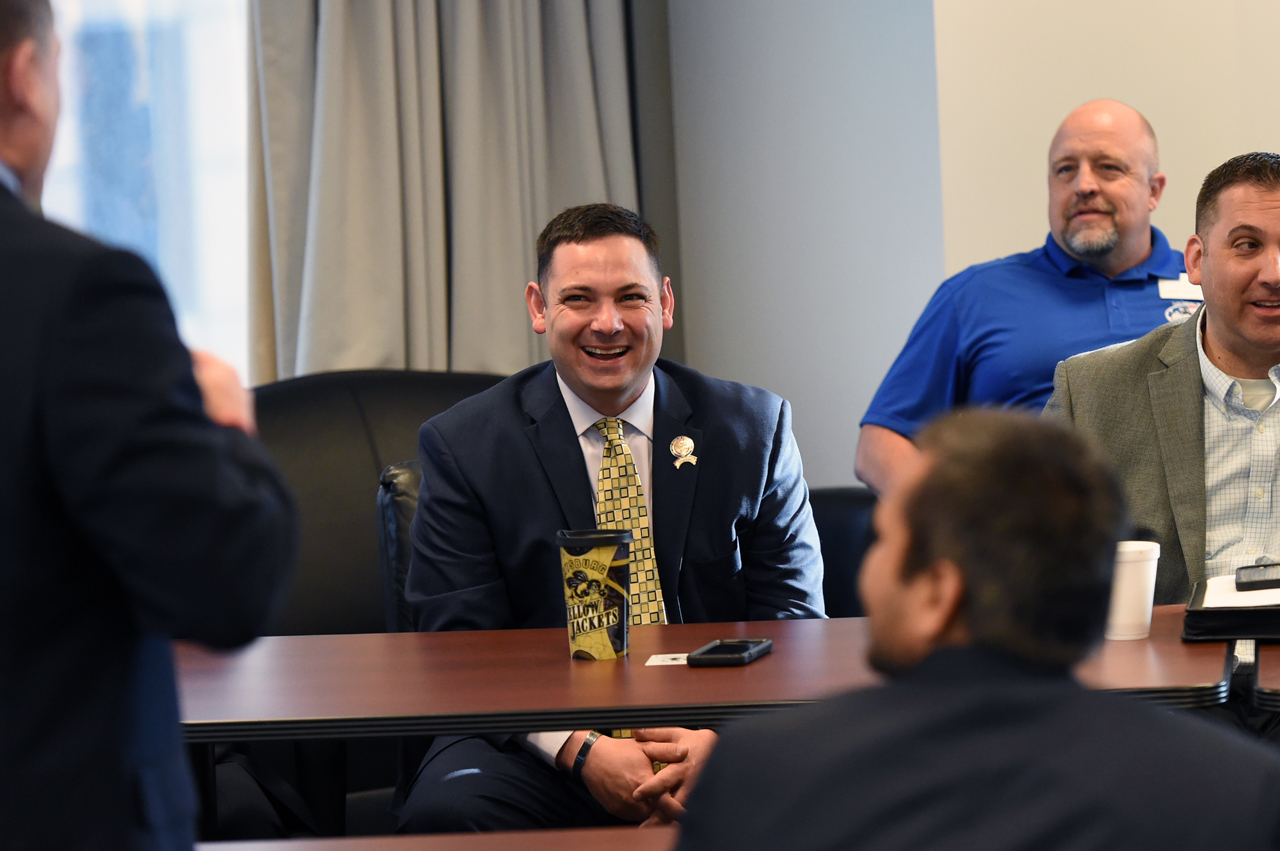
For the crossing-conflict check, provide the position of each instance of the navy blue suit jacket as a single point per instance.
(503, 471)
(972, 749)
(127, 518)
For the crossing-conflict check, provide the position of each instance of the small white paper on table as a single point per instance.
(667, 659)
(1220, 593)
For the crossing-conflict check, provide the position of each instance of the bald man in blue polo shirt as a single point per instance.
(994, 333)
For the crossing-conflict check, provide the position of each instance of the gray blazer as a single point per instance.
(1143, 403)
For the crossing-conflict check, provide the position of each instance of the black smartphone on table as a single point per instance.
(1256, 577)
(729, 651)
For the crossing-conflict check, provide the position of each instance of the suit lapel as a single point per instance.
(558, 450)
(1177, 404)
(673, 488)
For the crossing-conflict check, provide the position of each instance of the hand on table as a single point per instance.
(226, 401)
(685, 752)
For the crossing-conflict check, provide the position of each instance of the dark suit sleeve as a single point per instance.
(1268, 822)
(191, 517)
(454, 579)
(725, 803)
(782, 560)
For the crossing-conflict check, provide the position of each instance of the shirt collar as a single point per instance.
(1162, 262)
(639, 415)
(1222, 389)
(9, 180)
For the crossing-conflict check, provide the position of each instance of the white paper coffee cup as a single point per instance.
(1133, 587)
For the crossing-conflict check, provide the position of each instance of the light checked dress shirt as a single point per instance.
(1241, 444)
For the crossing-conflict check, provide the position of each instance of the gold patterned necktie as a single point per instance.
(620, 505)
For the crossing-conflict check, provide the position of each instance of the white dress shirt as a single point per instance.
(637, 431)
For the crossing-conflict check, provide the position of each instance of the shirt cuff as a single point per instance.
(1246, 652)
(545, 746)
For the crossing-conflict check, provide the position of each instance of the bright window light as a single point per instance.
(152, 150)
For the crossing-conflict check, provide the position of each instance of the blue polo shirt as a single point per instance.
(993, 334)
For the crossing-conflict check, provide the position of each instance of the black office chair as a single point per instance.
(843, 518)
(397, 500)
(331, 434)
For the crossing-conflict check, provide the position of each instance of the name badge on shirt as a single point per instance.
(1185, 298)
(1182, 288)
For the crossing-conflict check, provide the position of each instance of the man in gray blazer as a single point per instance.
(1187, 413)
(1143, 401)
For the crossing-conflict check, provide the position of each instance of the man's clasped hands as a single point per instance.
(620, 774)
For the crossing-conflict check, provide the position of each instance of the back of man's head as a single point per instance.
(1030, 514)
(594, 221)
(1260, 169)
(23, 19)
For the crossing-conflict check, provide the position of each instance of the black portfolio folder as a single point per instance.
(1201, 624)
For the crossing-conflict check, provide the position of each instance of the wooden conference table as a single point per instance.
(1162, 668)
(578, 839)
(294, 687)
(327, 686)
(501, 681)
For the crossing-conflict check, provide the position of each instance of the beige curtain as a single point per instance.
(407, 154)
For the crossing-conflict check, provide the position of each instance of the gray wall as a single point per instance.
(809, 194)
(655, 145)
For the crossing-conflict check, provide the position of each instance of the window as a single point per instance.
(152, 150)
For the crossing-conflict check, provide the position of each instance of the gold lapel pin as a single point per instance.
(682, 448)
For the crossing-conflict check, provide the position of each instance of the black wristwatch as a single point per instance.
(581, 759)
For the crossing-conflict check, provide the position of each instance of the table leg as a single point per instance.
(203, 767)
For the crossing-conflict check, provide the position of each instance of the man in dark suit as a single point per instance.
(988, 581)
(129, 517)
(732, 536)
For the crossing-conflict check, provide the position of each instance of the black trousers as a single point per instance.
(476, 783)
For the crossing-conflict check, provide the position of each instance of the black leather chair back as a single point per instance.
(331, 435)
(843, 518)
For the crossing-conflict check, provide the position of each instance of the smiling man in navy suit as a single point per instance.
(732, 535)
